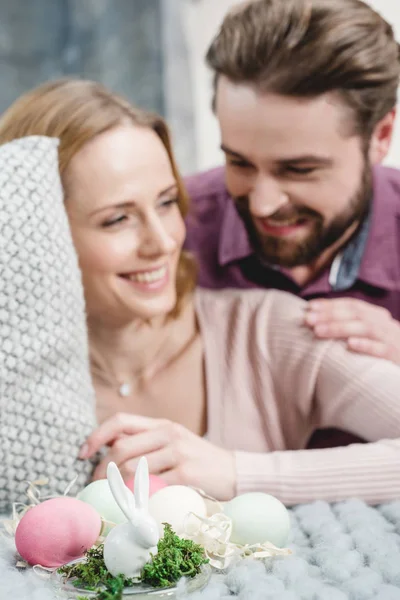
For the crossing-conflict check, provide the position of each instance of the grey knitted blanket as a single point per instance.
(46, 395)
(347, 551)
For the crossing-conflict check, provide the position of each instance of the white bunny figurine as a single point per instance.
(128, 545)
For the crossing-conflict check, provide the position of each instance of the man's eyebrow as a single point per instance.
(307, 158)
(323, 161)
(229, 151)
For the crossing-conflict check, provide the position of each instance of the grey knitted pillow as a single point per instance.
(46, 395)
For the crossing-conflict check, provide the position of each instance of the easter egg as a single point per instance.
(98, 494)
(156, 483)
(258, 518)
(173, 503)
(57, 531)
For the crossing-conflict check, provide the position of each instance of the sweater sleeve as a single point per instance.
(330, 387)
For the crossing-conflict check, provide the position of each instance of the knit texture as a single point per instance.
(46, 395)
(344, 551)
(270, 384)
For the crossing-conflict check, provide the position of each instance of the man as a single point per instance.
(305, 95)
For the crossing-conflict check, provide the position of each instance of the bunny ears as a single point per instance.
(130, 503)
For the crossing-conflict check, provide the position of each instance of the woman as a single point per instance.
(220, 390)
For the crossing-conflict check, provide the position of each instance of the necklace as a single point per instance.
(124, 388)
(176, 336)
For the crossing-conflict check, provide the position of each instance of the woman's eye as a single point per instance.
(116, 221)
(168, 203)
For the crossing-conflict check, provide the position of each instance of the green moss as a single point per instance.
(175, 558)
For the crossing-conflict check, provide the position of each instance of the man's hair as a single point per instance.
(304, 48)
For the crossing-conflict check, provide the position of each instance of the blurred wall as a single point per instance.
(390, 10)
(152, 51)
(201, 20)
(136, 47)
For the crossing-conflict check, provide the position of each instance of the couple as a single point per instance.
(222, 389)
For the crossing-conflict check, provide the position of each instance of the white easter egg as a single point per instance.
(172, 504)
(98, 494)
(258, 518)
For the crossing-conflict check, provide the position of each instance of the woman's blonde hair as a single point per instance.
(75, 111)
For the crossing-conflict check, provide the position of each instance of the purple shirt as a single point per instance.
(368, 267)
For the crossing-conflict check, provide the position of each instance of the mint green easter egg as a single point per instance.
(258, 518)
(99, 495)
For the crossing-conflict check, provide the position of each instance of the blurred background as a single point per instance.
(151, 51)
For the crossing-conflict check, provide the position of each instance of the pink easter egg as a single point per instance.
(156, 483)
(57, 531)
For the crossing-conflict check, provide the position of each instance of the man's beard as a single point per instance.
(288, 253)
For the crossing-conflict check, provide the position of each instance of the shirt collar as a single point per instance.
(345, 267)
(379, 267)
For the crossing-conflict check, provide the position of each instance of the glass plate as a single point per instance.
(68, 591)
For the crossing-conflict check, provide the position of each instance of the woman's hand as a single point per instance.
(174, 452)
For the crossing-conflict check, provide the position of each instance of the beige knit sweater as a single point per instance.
(270, 383)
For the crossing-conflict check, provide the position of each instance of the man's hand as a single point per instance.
(367, 329)
(174, 452)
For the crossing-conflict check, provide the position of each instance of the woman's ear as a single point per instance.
(381, 138)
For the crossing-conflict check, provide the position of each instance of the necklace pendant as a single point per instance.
(124, 390)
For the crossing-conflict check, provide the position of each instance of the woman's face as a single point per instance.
(126, 224)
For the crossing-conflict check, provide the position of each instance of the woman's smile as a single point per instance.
(150, 280)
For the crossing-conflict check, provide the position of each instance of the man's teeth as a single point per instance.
(282, 223)
(149, 276)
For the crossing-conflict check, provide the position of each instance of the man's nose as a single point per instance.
(266, 198)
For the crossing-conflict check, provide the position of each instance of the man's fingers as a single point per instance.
(118, 426)
(344, 308)
(331, 313)
(366, 346)
(343, 330)
(347, 304)
(336, 309)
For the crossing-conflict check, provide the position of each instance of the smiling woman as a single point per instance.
(127, 226)
(220, 390)
(78, 112)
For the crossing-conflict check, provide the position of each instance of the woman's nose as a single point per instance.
(157, 240)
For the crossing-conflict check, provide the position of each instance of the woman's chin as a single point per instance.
(154, 307)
